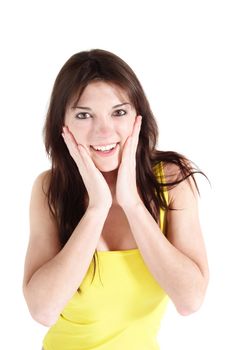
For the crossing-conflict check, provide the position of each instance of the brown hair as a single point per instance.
(66, 188)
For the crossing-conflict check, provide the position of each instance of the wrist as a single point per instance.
(127, 207)
(98, 210)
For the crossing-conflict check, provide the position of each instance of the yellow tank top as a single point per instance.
(120, 309)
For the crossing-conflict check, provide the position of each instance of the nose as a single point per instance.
(104, 127)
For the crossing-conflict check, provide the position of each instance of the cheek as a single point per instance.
(127, 129)
(80, 137)
(77, 131)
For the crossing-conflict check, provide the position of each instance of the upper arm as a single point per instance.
(44, 240)
(183, 224)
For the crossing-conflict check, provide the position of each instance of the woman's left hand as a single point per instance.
(126, 188)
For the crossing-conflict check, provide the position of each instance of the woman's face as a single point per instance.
(103, 116)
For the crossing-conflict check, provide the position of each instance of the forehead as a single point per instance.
(103, 90)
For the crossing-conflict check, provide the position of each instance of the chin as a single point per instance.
(105, 168)
(108, 171)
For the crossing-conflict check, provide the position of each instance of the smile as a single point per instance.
(106, 150)
(105, 147)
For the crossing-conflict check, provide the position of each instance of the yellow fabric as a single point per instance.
(120, 310)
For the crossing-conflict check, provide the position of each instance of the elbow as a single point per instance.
(188, 309)
(44, 318)
(191, 306)
(40, 312)
(43, 315)
(193, 302)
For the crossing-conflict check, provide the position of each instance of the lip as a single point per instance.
(104, 144)
(107, 154)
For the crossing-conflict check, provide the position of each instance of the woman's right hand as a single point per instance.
(98, 190)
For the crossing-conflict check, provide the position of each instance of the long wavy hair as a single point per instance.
(66, 188)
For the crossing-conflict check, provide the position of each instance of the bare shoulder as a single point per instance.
(183, 224)
(43, 242)
(39, 207)
(42, 222)
(41, 184)
(185, 191)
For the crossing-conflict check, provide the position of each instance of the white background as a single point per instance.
(182, 51)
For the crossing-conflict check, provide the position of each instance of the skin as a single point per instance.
(101, 124)
(178, 262)
(181, 263)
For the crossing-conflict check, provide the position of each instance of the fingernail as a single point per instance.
(139, 120)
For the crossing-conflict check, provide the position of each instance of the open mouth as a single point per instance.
(105, 150)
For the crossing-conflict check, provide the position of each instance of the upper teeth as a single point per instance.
(104, 148)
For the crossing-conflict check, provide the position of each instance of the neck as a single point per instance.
(111, 178)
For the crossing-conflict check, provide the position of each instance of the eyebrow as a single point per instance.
(119, 105)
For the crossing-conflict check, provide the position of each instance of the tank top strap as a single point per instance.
(159, 173)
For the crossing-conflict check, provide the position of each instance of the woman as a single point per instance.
(110, 197)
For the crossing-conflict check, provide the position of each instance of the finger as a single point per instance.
(130, 145)
(137, 126)
(75, 153)
(70, 142)
(73, 140)
(135, 134)
(79, 151)
(76, 150)
(68, 135)
(126, 154)
(86, 157)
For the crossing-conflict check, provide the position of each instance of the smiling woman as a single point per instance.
(102, 129)
(110, 196)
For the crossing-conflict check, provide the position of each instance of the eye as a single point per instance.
(83, 115)
(120, 112)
